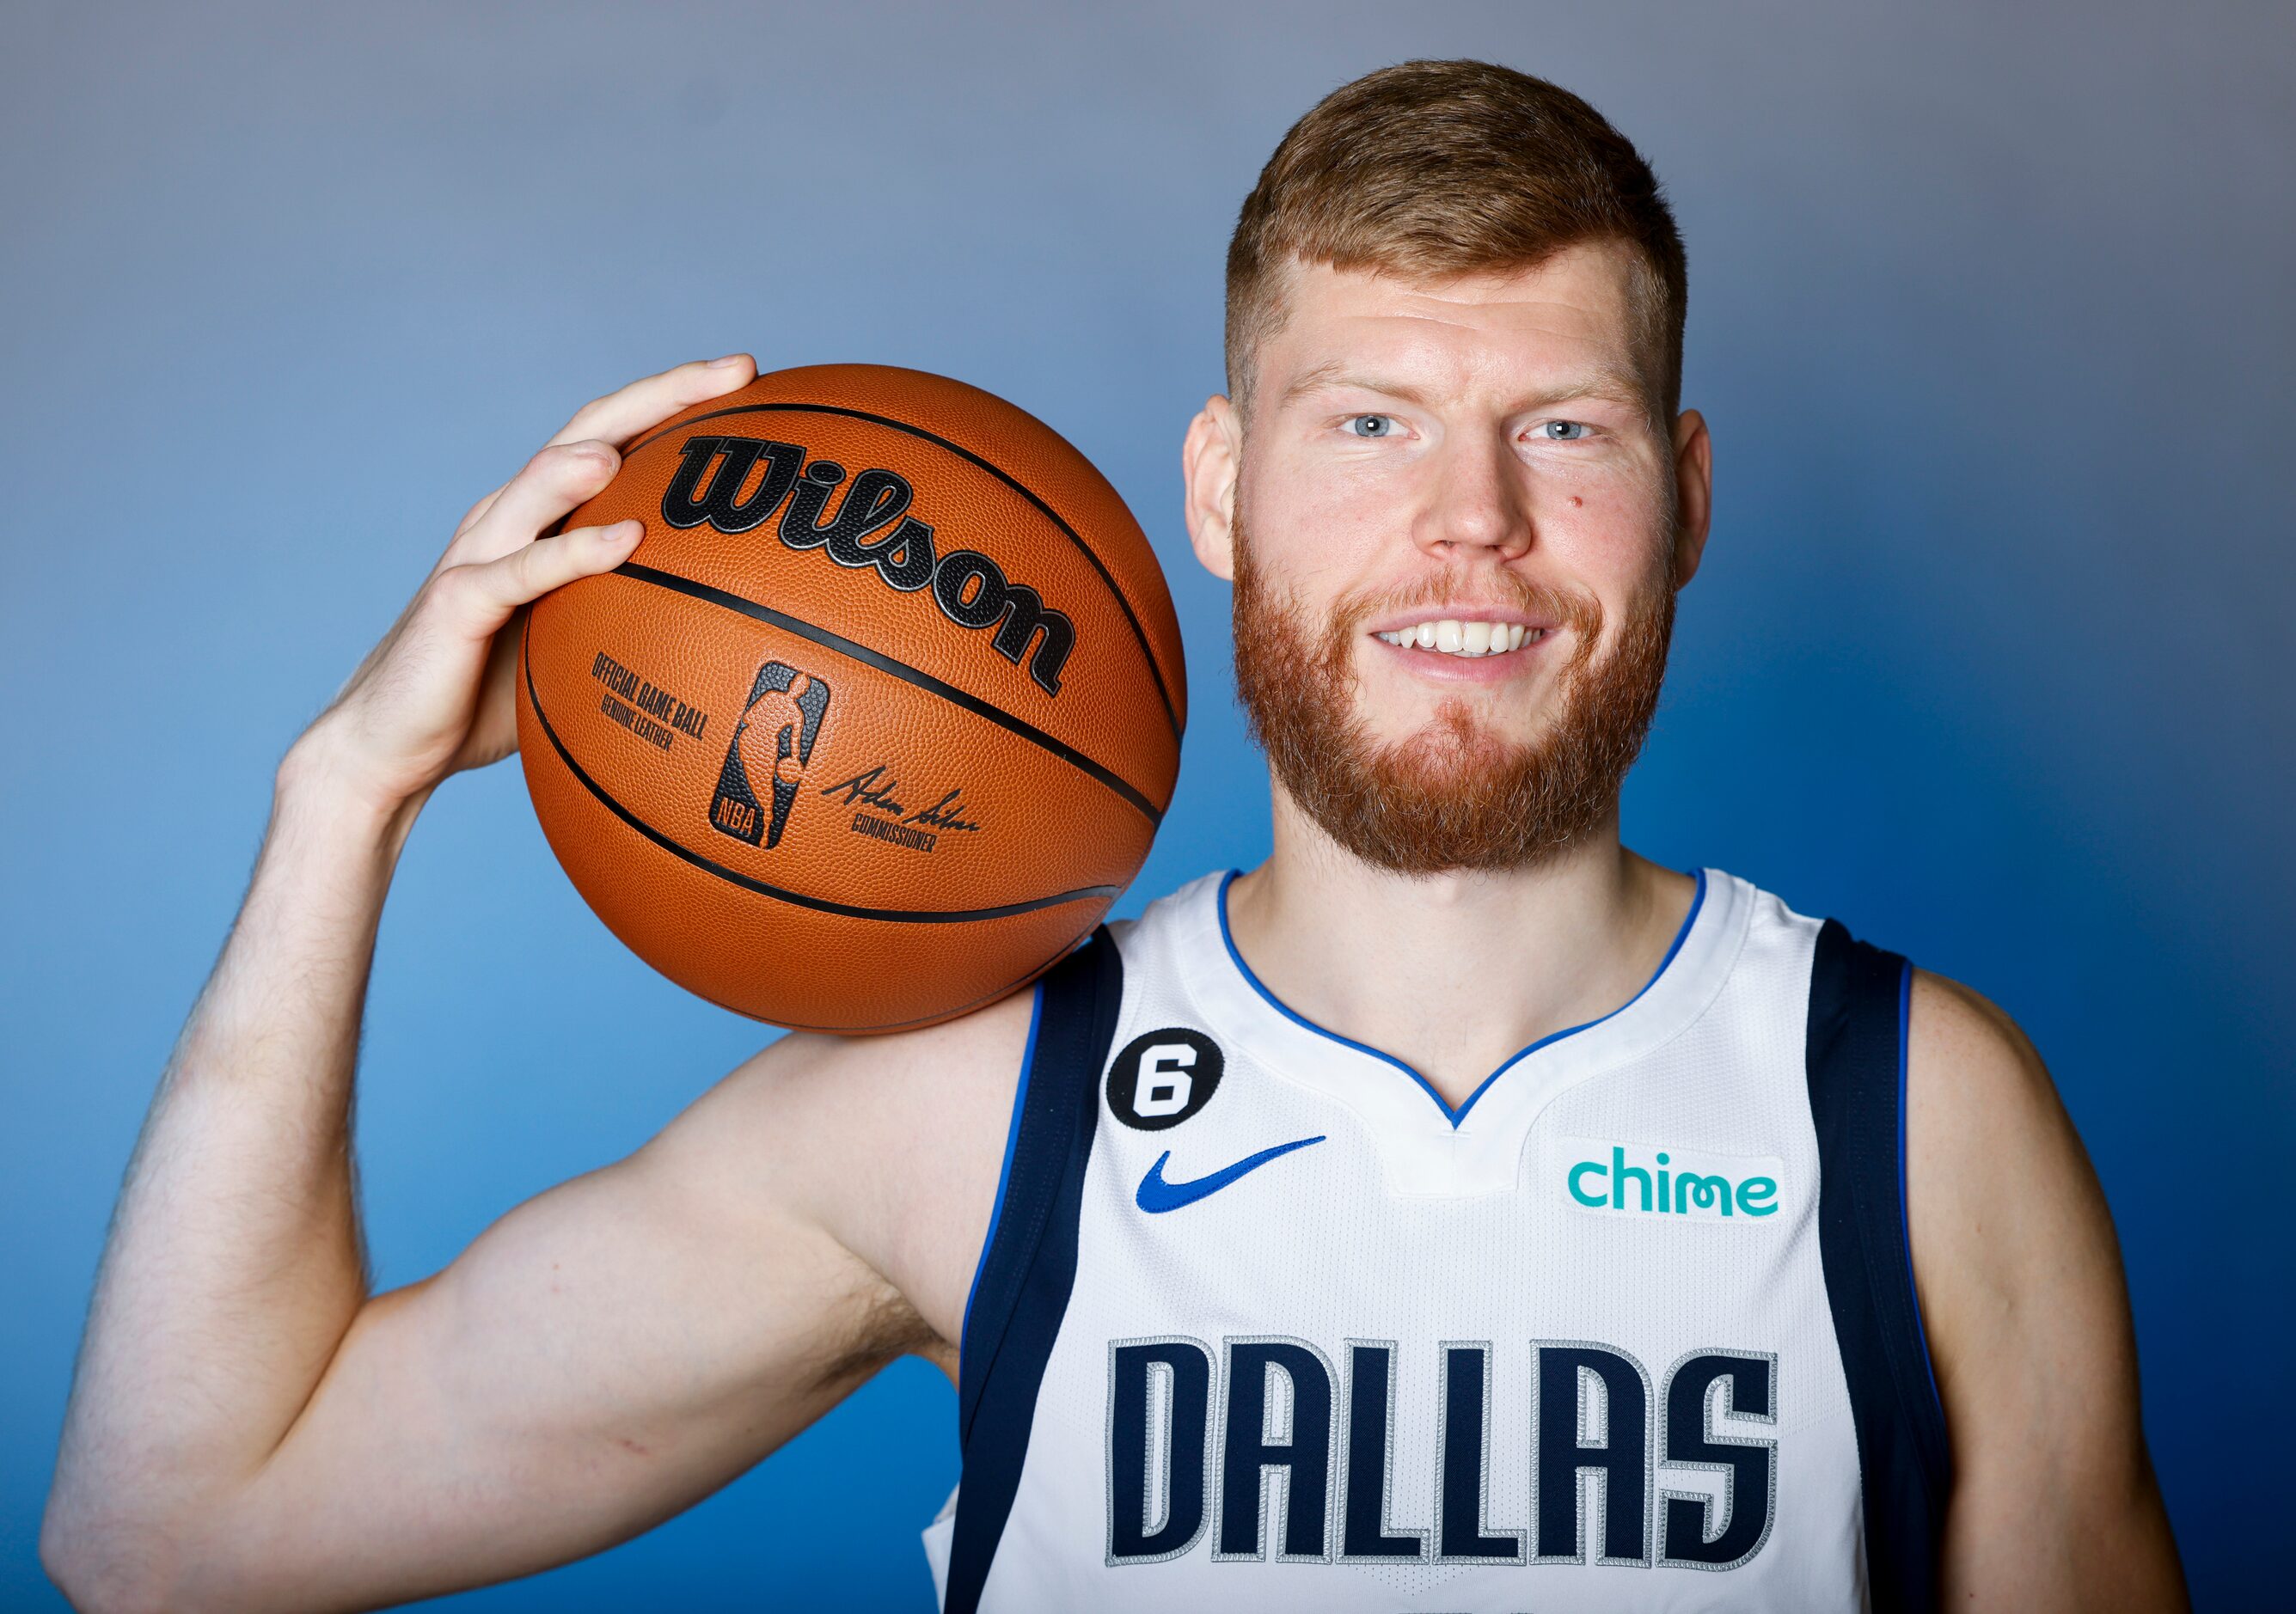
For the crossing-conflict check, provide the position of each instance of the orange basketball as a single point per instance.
(880, 715)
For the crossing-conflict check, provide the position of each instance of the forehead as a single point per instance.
(1573, 312)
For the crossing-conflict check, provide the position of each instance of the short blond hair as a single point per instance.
(1432, 169)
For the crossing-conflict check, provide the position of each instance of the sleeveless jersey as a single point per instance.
(1261, 1323)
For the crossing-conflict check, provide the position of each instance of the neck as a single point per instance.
(1452, 973)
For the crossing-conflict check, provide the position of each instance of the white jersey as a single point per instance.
(1262, 1323)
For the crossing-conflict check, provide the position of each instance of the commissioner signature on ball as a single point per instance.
(875, 787)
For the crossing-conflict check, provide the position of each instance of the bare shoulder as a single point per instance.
(1993, 1162)
(2008, 1219)
(2027, 1314)
(890, 1144)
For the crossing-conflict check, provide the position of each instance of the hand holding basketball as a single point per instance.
(434, 696)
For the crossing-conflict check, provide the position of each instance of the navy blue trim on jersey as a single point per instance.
(1904, 1219)
(1012, 1142)
(1028, 1268)
(1859, 1007)
(1697, 901)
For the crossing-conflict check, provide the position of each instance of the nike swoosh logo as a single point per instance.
(1157, 1196)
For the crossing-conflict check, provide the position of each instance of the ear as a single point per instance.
(1209, 460)
(1693, 488)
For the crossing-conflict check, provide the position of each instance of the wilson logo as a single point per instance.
(1637, 1180)
(871, 528)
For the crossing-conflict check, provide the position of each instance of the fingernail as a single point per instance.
(731, 358)
(623, 532)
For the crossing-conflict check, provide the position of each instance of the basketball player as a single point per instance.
(1457, 1211)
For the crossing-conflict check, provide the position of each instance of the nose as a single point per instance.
(1479, 502)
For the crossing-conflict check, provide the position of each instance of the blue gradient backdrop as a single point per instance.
(1991, 315)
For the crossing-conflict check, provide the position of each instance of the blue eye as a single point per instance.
(1563, 431)
(1372, 425)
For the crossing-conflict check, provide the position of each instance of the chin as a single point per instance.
(1456, 738)
(1463, 721)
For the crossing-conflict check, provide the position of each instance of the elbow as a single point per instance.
(103, 1567)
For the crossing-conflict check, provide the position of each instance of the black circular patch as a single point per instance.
(1162, 1078)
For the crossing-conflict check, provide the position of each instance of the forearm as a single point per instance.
(234, 1266)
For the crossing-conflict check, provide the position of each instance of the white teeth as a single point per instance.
(1454, 637)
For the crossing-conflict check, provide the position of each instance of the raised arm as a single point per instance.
(2054, 1505)
(614, 1350)
(249, 1430)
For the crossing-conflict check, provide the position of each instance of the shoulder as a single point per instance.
(1996, 1173)
(1971, 1072)
(879, 1087)
(2014, 1249)
(909, 1103)
(889, 1145)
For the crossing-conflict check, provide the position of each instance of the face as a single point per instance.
(1455, 532)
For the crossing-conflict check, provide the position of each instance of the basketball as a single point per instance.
(880, 715)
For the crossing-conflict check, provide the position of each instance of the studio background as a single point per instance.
(1990, 314)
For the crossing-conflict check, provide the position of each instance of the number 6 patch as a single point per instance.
(1162, 1078)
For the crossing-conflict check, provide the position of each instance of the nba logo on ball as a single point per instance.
(734, 810)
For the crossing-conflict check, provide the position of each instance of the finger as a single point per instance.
(483, 596)
(643, 405)
(458, 547)
(617, 418)
(551, 483)
(477, 512)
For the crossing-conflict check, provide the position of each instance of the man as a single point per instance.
(1458, 1210)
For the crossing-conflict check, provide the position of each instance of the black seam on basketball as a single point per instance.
(883, 663)
(915, 916)
(1171, 713)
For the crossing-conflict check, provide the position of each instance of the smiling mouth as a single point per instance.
(1449, 636)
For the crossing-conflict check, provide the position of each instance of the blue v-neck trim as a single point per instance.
(1697, 901)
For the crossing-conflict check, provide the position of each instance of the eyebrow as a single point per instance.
(1334, 372)
(1601, 382)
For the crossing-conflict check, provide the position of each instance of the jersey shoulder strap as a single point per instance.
(1860, 999)
(1028, 1268)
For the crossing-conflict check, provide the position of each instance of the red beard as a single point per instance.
(1454, 795)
